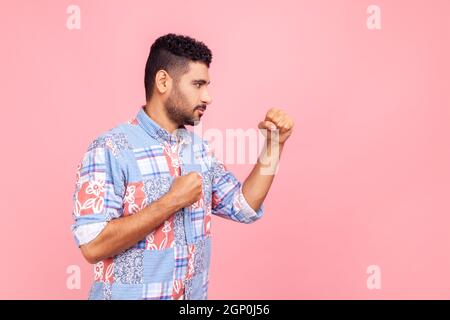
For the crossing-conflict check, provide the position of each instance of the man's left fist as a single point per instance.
(277, 119)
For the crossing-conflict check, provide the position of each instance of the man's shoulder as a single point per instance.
(115, 139)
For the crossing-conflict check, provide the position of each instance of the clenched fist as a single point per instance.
(187, 189)
(277, 119)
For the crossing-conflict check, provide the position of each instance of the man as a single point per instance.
(146, 189)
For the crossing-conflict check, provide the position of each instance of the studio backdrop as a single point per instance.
(359, 208)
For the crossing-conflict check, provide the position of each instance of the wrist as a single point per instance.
(171, 202)
(274, 146)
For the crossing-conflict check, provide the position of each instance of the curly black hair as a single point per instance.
(172, 53)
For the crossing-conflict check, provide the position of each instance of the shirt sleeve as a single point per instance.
(228, 200)
(99, 193)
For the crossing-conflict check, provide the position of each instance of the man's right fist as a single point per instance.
(187, 189)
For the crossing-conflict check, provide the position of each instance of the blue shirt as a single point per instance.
(126, 169)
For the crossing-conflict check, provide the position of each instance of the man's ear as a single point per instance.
(163, 81)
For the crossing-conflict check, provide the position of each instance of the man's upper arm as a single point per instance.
(99, 192)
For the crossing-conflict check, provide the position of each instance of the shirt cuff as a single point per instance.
(246, 212)
(87, 232)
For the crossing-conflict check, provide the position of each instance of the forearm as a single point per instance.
(122, 233)
(257, 184)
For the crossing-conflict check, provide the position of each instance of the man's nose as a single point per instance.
(206, 98)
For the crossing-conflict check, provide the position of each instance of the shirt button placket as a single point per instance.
(186, 210)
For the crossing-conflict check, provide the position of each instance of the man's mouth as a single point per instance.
(201, 110)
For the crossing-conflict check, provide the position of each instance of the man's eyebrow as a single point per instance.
(201, 81)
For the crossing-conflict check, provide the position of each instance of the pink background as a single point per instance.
(364, 180)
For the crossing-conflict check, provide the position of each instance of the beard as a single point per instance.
(176, 110)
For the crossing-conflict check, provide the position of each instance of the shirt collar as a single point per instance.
(159, 133)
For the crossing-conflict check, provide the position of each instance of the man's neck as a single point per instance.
(158, 114)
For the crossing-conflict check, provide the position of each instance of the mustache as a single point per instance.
(203, 107)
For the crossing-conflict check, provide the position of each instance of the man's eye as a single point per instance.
(198, 85)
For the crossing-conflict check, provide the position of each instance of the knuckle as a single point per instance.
(271, 112)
